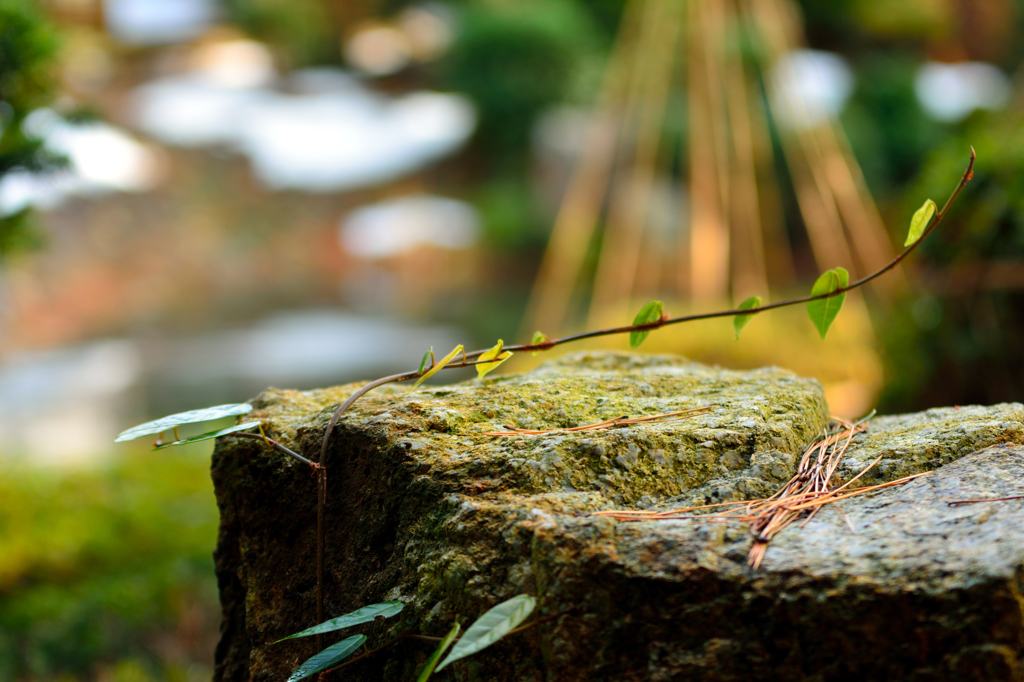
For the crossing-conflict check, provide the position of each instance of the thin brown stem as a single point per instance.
(321, 504)
(367, 653)
(541, 621)
(469, 358)
(274, 444)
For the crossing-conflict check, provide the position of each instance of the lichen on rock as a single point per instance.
(425, 508)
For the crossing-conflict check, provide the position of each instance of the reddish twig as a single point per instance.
(321, 547)
(277, 446)
(541, 621)
(606, 424)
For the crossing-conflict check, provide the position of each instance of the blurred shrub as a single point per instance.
(510, 215)
(886, 124)
(515, 59)
(108, 573)
(28, 48)
(302, 31)
(955, 339)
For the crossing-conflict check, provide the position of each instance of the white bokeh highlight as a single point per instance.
(397, 226)
(950, 92)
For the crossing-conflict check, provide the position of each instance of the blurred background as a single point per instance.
(202, 198)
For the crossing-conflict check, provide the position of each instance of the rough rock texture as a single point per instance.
(424, 508)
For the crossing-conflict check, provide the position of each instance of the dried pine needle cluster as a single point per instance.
(808, 491)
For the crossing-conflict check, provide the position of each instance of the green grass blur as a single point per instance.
(107, 574)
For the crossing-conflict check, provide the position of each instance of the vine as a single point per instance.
(823, 305)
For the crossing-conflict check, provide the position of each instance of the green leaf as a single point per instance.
(652, 312)
(824, 310)
(538, 337)
(209, 435)
(740, 321)
(493, 354)
(438, 653)
(191, 417)
(491, 627)
(363, 615)
(426, 358)
(328, 658)
(438, 365)
(922, 217)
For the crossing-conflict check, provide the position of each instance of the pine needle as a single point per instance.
(607, 423)
(810, 489)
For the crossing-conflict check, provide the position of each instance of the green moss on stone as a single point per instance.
(423, 507)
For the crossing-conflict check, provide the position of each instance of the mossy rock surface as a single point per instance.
(426, 508)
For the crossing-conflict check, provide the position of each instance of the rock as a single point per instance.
(424, 508)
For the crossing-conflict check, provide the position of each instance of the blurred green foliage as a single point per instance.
(109, 573)
(301, 31)
(28, 48)
(516, 59)
(510, 214)
(887, 127)
(513, 59)
(956, 337)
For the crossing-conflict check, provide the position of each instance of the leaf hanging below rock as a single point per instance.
(364, 615)
(428, 670)
(328, 658)
(491, 627)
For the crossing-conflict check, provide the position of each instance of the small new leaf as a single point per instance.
(328, 658)
(192, 416)
(438, 366)
(740, 321)
(652, 312)
(357, 617)
(538, 337)
(823, 311)
(209, 435)
(494, 354)
(426, 358)
(438, 653)
(919, 222)
(491, 627)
